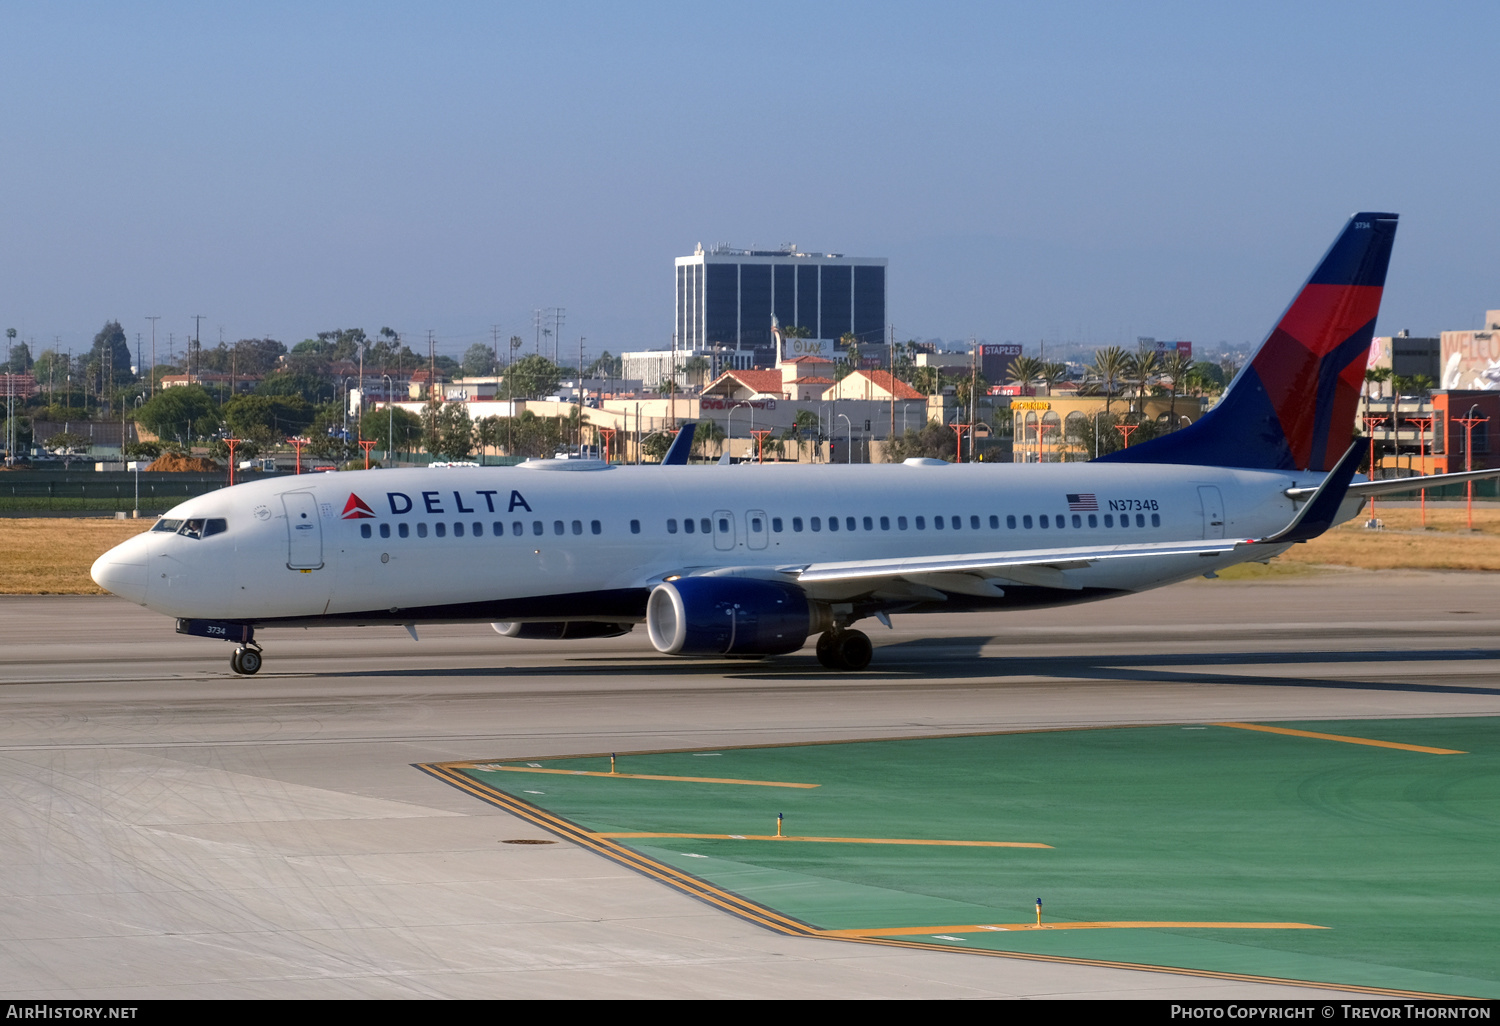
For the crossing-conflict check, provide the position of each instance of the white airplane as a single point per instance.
(752, 560)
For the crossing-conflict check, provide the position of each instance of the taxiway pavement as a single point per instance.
(170, 830)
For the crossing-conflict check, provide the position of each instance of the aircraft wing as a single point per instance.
(982, 573)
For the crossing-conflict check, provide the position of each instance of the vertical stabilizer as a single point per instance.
(1292, 407)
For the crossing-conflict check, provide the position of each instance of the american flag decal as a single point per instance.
(1087, 502)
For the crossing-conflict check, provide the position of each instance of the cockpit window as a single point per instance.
(194, 527)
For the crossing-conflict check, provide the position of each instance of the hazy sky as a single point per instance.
(1088, 172)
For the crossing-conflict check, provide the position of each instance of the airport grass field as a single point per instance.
(52, 556)
(1352, 853)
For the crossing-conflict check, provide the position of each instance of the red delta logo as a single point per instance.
(357, 509)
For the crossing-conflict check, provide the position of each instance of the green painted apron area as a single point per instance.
(1395, 852)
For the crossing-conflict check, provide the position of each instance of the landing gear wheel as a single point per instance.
(826, 644)
(245, 661)
(845, 650)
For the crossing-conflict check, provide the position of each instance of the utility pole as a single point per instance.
(536, 320)
(557, 323)
(153, 318)
(197, 345)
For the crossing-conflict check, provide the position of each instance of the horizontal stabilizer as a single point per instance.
(1323, 506)
(1397, 485)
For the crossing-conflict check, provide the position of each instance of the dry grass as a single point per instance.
(52, 556)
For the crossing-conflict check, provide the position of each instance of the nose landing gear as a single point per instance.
(246, 660)
(844, 649)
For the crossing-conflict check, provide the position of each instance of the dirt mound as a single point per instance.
(177, 463)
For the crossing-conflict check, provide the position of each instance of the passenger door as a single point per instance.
(1213, 511)
(304, 531)
(723, 529)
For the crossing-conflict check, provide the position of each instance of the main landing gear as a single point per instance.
(844, 649)
(246, 660)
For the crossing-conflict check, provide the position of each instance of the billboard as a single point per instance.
(1165, 347)
(995, 360)
(1471, 360)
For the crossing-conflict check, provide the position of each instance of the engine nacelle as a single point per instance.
(727, 616)
(562, 630)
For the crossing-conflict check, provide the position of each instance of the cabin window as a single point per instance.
(498, 529)
(596, 527)
(1026, 521)
(1093, 520)
(478, 529)
(689, 525)
(1060, 524)
(1156, 520)
(422, 530)
(1109, 520)
(364, 530)
(849, 523)
(1010, 521)
(994, 522)
(385, 530)
(1042, 522)
(797, 524)
(973, 523)
(557, 527)
(817, 523)
(776, 524)
(937, 523)
(671, 526)
(458, 530)
(707, 528)
(403, 530)
(900, 523)
(536, 527)
(635, 527)
(517, 528)
(167, 526)
(833, 523)
(577, 527)
(441, 529)
(921, 523)
(869, 524)
(755, 525)
(885, 523)
(215, 525)
(1077, 520)
(1140, 520)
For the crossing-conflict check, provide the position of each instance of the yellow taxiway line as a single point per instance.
(623, 776)
(1340, 737)
(913, 931)
(616, 835)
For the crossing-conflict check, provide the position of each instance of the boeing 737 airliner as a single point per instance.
(752, 560)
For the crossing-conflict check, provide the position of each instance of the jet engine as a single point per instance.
(562, 630)
(727, 616)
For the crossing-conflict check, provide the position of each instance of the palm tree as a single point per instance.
(1053, 374)
(1110, 366)
(1143, 366)
(806, 420)
(926, 380)
(1024, 370)
(1176, 367)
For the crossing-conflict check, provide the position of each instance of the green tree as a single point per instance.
(395, 429)
(479, 361)
(934, 441)
(532, 377)
(655, 445)
(1177, 367)
(708, 432)
(697, 368)
(1110, 367)
(268, 419)
(448, 433)
(1024, 370)
(185, 412)
(20, 358)
(310, 386)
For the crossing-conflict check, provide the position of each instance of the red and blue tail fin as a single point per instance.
(1292, 407)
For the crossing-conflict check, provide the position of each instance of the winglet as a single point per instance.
(682, 445)
(1317, 516)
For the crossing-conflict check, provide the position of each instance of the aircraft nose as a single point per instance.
(122, 571)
